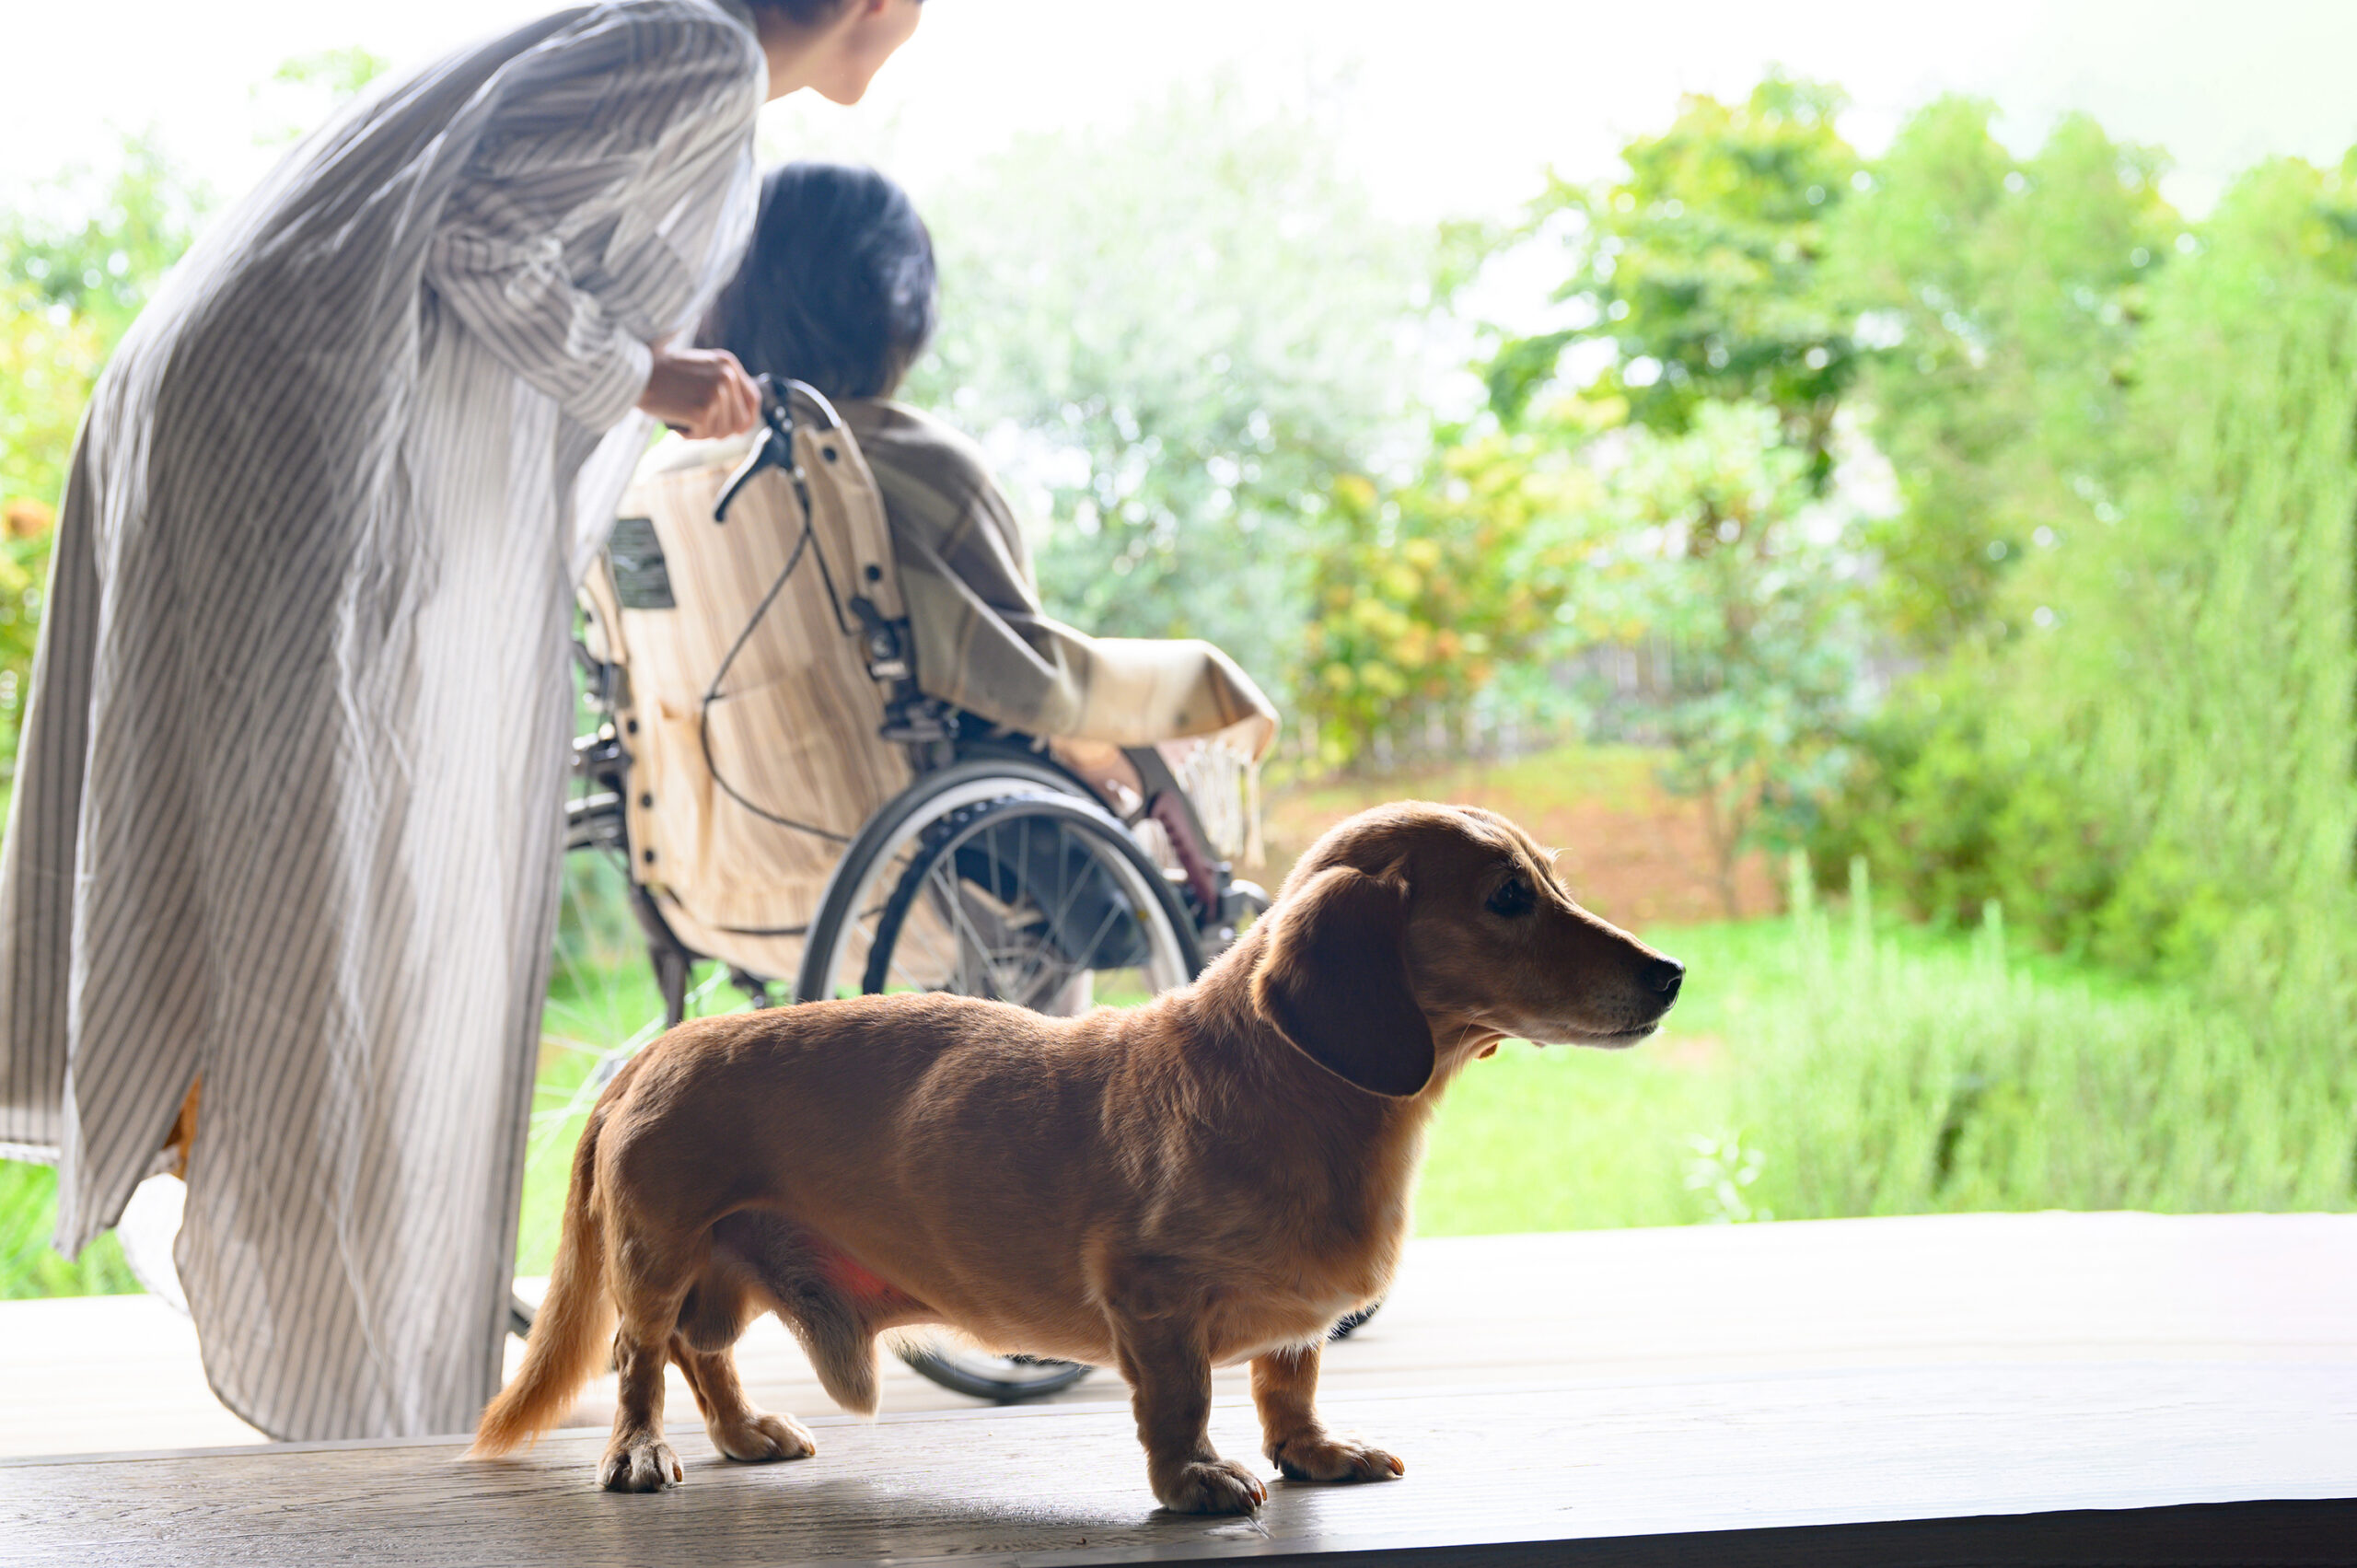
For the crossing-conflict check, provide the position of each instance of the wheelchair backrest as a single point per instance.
(745, 694)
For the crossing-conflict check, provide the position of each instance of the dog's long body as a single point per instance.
(1213, 1176)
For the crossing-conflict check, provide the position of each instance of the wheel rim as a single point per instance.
(913, 867)
(1024, 899)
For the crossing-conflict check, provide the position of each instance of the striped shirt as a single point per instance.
(288, 809)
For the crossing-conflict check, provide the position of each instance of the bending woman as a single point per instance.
(287, 817)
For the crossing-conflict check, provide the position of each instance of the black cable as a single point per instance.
(712, 692)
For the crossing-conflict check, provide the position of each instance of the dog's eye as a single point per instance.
(1513, 897)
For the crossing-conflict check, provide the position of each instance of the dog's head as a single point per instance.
(1413, 935)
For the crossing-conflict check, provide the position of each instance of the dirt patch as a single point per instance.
(1630, 850)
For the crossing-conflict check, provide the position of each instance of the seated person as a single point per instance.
(747, 708)
(838, 291)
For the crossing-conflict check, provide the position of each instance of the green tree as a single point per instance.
(1697, 272)
(1751, 585)
(48, 359)
(1422, 594)
(97, 242)
(304, 91)
(2204, 633)
(1174, 338)
(71, 280)
(1999, 300)
(2160, 766)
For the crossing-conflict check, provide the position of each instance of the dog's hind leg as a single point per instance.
(710, 1321)
(740, 1428)
(814, 1290)
(650, 1274)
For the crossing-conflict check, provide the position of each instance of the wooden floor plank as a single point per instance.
(122, 1373)
(1523, 1464)
(2013, 1385)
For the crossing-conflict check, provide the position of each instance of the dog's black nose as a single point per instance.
(1663, 976)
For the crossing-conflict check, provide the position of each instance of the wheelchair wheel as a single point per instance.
(997, 894)
(983, 882)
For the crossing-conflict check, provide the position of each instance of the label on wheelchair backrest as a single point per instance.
(641, 579)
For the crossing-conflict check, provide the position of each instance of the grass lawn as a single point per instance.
(1811, 1069)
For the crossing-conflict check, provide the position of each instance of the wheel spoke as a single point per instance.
(914, 929)
(973, 873)
(956, 908)
(1073, 885)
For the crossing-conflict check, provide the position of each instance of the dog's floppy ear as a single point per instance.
(1334, 981)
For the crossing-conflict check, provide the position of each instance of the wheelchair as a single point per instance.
(999, 864)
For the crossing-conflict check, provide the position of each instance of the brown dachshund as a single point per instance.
(1217, 1175)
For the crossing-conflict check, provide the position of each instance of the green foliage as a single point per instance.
(1957, 805)
(97, 243)
(1421, 595)
(48, 359)
(1832, 1065)
(1700, 269)
(305, 90)
(2225, 598)
(69, 286)
(1894, 1082)
(1176, 339)
(1748, 588)
(2156, 768)
(2000, 299)
(28, 1267)
(24, 576)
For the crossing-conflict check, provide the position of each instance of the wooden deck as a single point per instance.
(2043, 1388)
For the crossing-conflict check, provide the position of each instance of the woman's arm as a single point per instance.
(598, 138)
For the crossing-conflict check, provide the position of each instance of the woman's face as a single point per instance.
(859, 46)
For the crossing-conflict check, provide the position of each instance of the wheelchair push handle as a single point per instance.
(772, 449)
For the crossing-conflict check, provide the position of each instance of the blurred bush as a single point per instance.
(73, 276)
(1178, 340)
(2146, 749)
(1904, 1082)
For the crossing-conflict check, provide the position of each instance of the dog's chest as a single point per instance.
(1315, 1280)
(1290, 1306)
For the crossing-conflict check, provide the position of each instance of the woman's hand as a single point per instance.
(702, 393)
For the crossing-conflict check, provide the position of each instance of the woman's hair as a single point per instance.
(837, 289)
(801, 13)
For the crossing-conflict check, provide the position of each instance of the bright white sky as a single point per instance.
(1447, 107)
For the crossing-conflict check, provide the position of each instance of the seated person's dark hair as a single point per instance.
(837, 289)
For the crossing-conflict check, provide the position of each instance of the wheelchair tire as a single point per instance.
(852, 907)
(1015, 849)
(1002, 1379)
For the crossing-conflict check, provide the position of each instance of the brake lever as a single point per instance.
(772, 449)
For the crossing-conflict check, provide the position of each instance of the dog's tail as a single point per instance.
(569, 1332)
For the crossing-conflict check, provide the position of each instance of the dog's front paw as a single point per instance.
(1321, 1457)
(1216, 1486)
(765, 1437)
(640, 1464)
